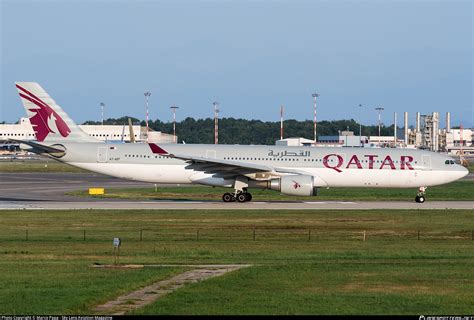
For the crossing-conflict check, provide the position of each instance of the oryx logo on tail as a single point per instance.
(45, 120)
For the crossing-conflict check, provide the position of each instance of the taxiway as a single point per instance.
(45, 191)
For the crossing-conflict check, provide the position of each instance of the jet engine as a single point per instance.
(295, 185)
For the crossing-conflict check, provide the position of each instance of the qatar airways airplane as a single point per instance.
(298, 171)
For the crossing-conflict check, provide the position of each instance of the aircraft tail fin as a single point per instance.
(49, 121)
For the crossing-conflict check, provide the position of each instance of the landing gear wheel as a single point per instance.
(249, 196)
(242, 197)
(420, 199)
(228, 197)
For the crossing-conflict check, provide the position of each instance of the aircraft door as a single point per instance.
(426, 162)
(102, 154)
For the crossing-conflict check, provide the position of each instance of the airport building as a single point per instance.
(343, 139)
(348, 139)
(111, 133)
(460, 141)
(295, 142)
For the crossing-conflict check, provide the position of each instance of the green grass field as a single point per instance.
(311, 262)
(37, 166)
(459, 190)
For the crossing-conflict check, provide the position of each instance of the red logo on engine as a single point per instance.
(45, 120)
(296, 185)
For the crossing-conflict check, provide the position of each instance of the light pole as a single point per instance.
(173, 108)
(147, 95)
(216, 122)
(282, 109)
(315, 95)
(102, 107)
(379, 109)
(360, 127)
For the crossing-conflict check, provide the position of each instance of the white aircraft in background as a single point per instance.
(298, 171)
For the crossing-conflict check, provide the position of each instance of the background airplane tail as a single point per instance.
(49, 121)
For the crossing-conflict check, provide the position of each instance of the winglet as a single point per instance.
(156, 149)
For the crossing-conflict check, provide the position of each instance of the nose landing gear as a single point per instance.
(420, 197)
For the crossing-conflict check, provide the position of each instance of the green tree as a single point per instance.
(243, 131)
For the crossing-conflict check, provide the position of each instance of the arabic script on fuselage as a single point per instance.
(281, 154)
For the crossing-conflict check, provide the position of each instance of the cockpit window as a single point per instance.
(449, 162)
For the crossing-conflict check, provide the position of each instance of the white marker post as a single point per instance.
(117, 242)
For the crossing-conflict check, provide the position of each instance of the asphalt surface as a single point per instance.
(215, 205)
(52, 186)
(46, 191)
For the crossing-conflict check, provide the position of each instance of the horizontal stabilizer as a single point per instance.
(54, 150)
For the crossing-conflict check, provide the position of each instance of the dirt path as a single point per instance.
(151, 293)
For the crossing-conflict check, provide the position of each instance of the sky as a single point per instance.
(250, 56)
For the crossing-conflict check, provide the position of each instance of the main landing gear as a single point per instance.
(242, 196)
(420, 197)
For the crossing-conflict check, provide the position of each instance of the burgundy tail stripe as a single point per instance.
(31, 95)
(33, 100)
(38, 104)
(42, 116)
(156, 149)
(27, 92)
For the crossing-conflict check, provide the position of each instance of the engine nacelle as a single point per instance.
(295, 185)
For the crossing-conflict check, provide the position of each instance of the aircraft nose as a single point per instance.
(463, 171)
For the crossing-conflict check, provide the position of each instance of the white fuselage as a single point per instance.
(330, 167)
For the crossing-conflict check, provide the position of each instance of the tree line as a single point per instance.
(243, 131)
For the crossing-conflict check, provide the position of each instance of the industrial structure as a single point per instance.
(427, 134)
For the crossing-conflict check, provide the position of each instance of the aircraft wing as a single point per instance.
(225, 168)
(221, 168)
